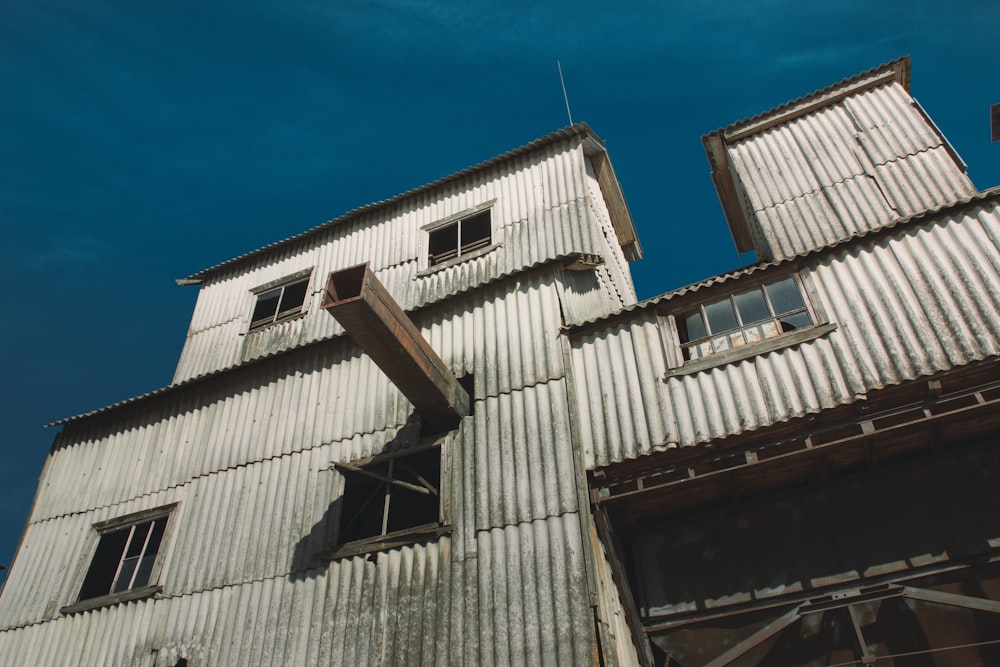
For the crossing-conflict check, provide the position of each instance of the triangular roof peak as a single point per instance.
(593, 145)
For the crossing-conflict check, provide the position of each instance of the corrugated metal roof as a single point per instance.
(737, 274)
(576, 130)
(904, 305)
(900, 67)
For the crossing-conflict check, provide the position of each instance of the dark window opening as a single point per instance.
(468, 383)
(279, 303)
(743, 318)
(460, 238)
(124, 559)
(386, 497)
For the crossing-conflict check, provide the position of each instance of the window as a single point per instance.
(390, 501)
(743, 318)
(123, 564)
(279, 303)
(459, 237)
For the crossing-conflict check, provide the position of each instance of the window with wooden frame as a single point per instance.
(278, 302)
(754, 320)
(742, 318)
(459, 237)
(124, 563)
(390, 501)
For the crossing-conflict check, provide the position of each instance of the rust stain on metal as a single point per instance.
(376, 322)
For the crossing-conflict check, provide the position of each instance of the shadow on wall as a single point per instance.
(307, 559)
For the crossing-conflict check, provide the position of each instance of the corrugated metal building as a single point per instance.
(798, 465)
(440, 429)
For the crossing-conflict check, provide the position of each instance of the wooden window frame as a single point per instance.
(145, 589)
(279, 287)
(675, 344)
(409, 535)
(462, 252)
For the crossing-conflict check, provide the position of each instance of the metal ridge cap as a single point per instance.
(581, 129)
(898, 69)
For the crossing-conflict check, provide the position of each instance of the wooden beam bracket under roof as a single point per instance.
(943, 417)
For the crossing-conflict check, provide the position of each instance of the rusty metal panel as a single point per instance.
(920, 300)
(373, 319)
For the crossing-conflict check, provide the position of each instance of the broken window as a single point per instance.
(125, 556)
(459, 237)
(391, 498)
(280, 303)
(742, 318)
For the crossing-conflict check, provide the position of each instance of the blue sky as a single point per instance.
(142, 141)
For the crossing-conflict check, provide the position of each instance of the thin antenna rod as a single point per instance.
(565, 96)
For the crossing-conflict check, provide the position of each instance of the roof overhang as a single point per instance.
(579, 132)
(614, 198)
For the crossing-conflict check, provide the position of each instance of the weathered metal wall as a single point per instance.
(519, 603)
(846, 168)
(922, 299)
(615, 264)
(248, 458)
(541, 212)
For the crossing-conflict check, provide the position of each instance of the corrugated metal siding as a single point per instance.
(323, 394)
(523, 461)
(510, 464)
(611, 250)
(915, 302)
(845, 168)
(520, 603)
(584, 295)
(533, 606)
(394, 609)
(247, 457)
(541, 212)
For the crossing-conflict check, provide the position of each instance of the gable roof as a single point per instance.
(593, 145)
